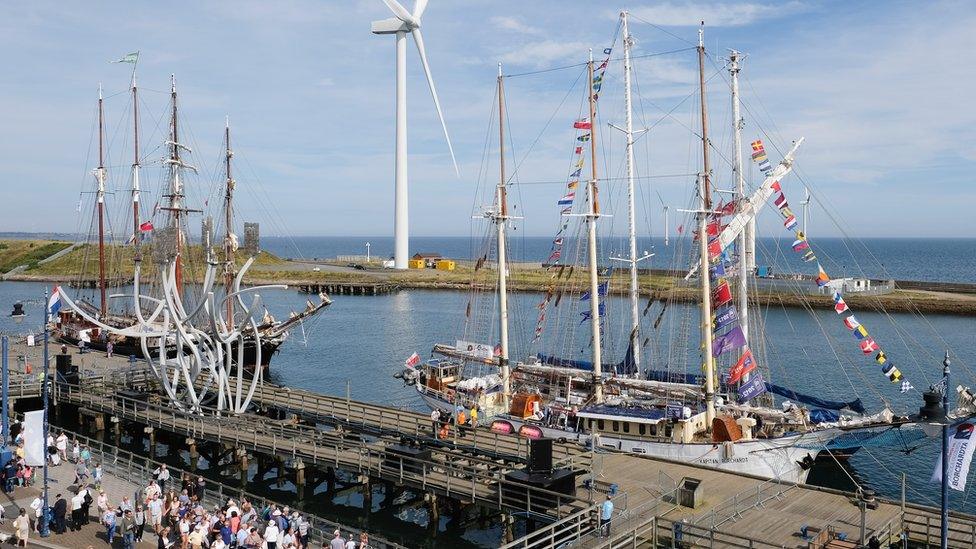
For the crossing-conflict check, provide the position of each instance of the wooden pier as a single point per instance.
(308, 436)
(349, 288)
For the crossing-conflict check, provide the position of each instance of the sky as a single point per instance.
(881, 92)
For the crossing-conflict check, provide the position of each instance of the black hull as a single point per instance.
(269, 348)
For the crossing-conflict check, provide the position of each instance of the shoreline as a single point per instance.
(906, 301)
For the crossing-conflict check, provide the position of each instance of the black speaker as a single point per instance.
(540, 455)
(64, 364)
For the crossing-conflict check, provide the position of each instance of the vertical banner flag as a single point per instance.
(746, 364)
(752, 388)
(961, 446)
(34, 437)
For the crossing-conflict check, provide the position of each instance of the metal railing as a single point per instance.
(138, 470)
(449, 473)
(732, 508)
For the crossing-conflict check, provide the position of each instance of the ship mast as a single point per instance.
(176, 189)
(501, 216)
(591, 219)
(746, 258)
(100, 199)
(706, 206)
(136, 231)
(631, 218)
(228, 225)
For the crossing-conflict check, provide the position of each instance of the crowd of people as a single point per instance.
(170, 511)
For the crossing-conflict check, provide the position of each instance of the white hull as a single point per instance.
(786, 458)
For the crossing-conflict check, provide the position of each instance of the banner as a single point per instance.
(961, 446)
(34, 437)
(479, 350)
(723, 343)
(752, 388)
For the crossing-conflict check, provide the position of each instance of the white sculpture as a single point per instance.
(201, 338)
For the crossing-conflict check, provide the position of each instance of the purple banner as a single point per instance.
(730, 340)
(752, 388)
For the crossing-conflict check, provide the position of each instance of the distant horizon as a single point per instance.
(39, 235)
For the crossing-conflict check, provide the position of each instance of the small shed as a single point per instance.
(430, 259)
(445, 265)
(416, 264)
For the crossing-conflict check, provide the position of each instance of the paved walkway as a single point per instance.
(61, 478)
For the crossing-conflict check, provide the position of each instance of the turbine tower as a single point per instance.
(402, 23)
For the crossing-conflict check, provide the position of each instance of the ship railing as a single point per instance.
(756, 497)
(139, 470)
(456, 474)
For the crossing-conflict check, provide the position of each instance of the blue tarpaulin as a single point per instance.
(626, 366)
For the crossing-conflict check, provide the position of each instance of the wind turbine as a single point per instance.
(402, 23)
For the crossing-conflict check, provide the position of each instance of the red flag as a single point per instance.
(147, 226)
(868, 346)
(583, 124)
(727, 209)
(579, 150)
(714, 249)
(722, 294)
(412, 361)
(746, 364)
(776, 187)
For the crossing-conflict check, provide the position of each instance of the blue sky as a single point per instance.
(881, 92)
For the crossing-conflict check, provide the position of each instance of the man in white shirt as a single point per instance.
(337, 542)
(77, 502)
(271, 535)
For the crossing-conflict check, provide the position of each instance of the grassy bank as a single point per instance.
(14, 253)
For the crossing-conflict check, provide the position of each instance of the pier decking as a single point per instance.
(397, 446)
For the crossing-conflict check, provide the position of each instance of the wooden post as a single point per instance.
(300, 478)
(152, 440)
(242, 465)
(116, 430)
(191, 445)
(367, 494)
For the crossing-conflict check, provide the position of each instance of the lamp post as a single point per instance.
(17, 315)
(367, 252)
(935, 413)
(43, 523)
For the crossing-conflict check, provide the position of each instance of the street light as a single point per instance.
(367, 252)
(43, 523)
(935, 415)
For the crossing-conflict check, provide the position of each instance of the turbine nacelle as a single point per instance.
(392, 25)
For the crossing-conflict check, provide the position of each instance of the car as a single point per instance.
(316, 269)
(359, 267)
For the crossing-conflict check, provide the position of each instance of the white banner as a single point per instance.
(34, 437)
(961, 446)
(479, 350)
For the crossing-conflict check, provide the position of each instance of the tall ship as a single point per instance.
(157, 235)
(725, 416)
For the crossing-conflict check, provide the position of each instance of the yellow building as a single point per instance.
(445, 265)
(416, 264)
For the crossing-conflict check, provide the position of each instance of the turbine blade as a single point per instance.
(418, 39)
(418, 9)
(400, 11)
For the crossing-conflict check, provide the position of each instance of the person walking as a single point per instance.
(77, 502)
(162, 476)
(271, 534)
(62, 445)
(606, 512)
(474, 416)
(108, 519)
(22, 528)
(128, 529)
(139, 518)
(337, 541)
(435, 419)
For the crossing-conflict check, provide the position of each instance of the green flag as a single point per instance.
(129, 58)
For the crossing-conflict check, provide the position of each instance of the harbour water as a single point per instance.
(930, 259)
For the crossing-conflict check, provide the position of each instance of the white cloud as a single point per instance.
(514, 24)
(545, 53)
(714, 14)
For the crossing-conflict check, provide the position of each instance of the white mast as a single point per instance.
(591, 219)
(136, 232)
(100, 198)
(634, 288)
(806, 208)
(666, 233)
(501, 215)
(745, 257)
(703, 271)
